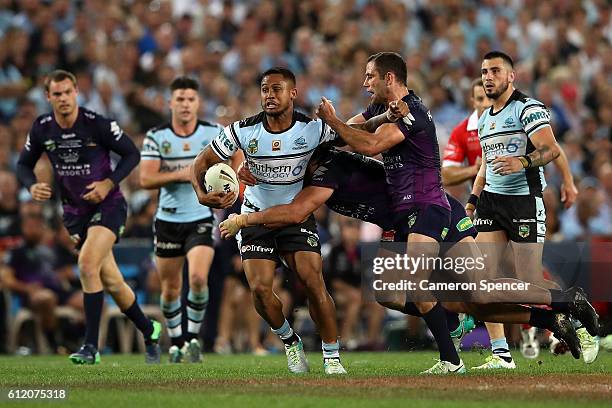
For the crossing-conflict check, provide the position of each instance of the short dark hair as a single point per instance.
(475, 83)
(498, 54)
(285, 72)
(57, 76)
(390, 62)
(184, 82)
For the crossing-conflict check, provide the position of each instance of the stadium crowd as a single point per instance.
(125, 53)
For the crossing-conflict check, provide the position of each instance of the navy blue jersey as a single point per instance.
(359, 186)
(413, 165)
(79, 155)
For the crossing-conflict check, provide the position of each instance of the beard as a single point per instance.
(499, 91)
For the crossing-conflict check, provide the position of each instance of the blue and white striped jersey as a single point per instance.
(277, 160)
(507, 133)
(177, 201)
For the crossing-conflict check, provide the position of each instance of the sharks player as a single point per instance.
(277, 143)
(183, 229)
(78, 143)
(517, 142)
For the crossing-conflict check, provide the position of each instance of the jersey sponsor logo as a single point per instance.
(393, 162)
(225, 141)
(464, 224)
(256, 248)
(168, 245)
(532, 117)
(523, 231)
(45, 120)
(312, 241)
(411, 220)
(186, 147)
(276, 145)
(483, 221)
(71, 170)
(514, 145)
(28, 144)
(203, 227)
(300, 143)
(280, 172)
(166, 147)
(68, 135)
(252, 146)
(388, 236)
(69, 157)
(50, 145)
(89, 115)
(444, 232)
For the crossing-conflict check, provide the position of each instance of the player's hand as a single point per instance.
(326, 111)
(470, 213)
(98, 191)
(232, 225)
(41, 191)
(216, 199)
(398, 110)
(245, 176)
(507, 165)
(569, 193)
(184, 174)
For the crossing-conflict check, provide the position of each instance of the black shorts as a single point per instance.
(522, 217)
(259, 242)
(110, 214)
(429, 220)
(172, 239)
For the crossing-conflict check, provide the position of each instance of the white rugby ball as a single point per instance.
(221, 178)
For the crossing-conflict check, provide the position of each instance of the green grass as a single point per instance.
(375, 379)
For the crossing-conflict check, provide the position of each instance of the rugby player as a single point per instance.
(277, 143)
(517, 141)
(183, 229)
(78, 143)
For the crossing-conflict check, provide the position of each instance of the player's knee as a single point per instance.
(171, 289)
(88, 268)
(113, 285)
(198, 282)
(261, 291)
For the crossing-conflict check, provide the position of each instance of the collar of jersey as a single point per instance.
(265, 124)
(512, 98)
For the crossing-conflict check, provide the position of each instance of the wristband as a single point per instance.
(525, 161)
(473, 199)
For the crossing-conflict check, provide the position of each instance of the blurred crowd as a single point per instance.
(125, 53)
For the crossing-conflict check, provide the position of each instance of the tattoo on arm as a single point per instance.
(543, 155)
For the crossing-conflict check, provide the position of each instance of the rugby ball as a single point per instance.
(221, 178)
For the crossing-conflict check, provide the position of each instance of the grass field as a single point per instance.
(374, 380)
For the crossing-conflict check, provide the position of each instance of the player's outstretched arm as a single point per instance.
(304, 204)
(201, 163)
(369, 144)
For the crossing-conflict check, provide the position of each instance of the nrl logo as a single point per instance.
(252, 147)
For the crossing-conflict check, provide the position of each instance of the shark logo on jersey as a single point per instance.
(252, 147)
(300, 143)
(508, 123)
(166, 147)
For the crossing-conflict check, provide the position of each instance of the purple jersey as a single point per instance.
(413, 165)
(79, 155)
(359, 186)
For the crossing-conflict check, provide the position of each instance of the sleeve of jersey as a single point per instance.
(27, 160)
(534, 116)
(327, 133)
(454, 153)
(150, 148)
(113, 138)
(369, 112)
(227, 142)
